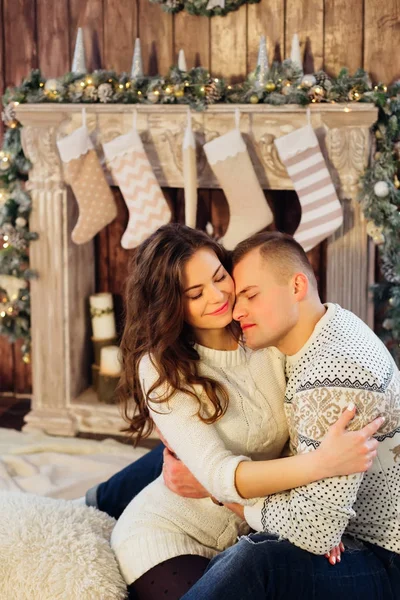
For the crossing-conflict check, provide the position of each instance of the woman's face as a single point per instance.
(209, 291)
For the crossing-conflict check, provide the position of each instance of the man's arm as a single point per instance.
(313, 516)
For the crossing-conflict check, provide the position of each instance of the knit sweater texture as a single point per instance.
(158, 524)
(342, 362)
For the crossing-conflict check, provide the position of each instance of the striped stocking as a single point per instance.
(321, 211)
(132, 171)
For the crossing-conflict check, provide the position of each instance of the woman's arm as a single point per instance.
(340, 453)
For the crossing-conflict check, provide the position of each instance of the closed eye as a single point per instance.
(221, 278)
(250, 297)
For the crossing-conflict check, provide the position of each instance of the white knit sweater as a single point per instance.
(158, 525)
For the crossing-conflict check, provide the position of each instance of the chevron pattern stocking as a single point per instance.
(132, 172)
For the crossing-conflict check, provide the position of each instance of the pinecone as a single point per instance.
(105, 92)
(323, 80)
(173, 5)
(212, 93)
(90, 93)
(13, 237)
(9, 115)
(389, 272)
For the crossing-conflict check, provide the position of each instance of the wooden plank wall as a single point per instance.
(333, 33)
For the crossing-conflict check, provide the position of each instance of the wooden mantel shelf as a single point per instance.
(162, 130)
(62, 400)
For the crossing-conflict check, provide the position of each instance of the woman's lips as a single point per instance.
(244, 327)
(221, 310)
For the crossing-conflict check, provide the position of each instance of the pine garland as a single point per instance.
(284, 84)
(199, 7)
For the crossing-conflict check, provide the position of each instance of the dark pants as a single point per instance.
(259, 567)
(114, 495)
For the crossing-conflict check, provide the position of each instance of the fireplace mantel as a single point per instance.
(62, 403)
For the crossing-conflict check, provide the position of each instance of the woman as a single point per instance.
(218, 406)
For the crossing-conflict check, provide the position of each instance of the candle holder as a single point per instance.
(99, 344)
(107, 385)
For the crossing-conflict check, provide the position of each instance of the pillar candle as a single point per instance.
(102, 313)
(110, 361)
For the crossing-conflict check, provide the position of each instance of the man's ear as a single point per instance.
(300, 286)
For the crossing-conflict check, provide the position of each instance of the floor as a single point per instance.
(14, 408)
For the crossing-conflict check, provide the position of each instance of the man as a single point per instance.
(332, 359)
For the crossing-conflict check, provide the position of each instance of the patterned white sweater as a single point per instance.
(158, 524)
(343, 361)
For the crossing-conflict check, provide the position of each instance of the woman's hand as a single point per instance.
(347, 452)
(334, 556)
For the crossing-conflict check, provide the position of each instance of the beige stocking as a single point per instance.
(84, 173)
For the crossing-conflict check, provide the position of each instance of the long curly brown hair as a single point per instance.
(155, 326)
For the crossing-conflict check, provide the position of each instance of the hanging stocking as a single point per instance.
(84, 173)
(190, 174)
(321, 211)
(132, 171)
(231, 164)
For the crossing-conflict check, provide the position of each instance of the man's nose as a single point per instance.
(238, 312)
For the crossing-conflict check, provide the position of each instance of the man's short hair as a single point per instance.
(281, 251)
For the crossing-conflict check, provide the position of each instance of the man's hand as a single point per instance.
(179, 479)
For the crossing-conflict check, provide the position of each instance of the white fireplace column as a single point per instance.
(63, 403)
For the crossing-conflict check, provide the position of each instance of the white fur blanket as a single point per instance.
(59, 467)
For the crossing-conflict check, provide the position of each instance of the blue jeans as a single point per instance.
(260, 567)
(114, 495)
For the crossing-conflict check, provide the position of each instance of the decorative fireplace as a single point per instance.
(63, 403)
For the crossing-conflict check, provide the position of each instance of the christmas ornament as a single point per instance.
(4, 196)
(179, 91)
(5, 161)
(373, 230)
(308, 81)
(132, 171)
(396, 182)
(254, 99)
(321, 211)
(270, 86)
(53, 88)
(12, 237)
(137, 66)
(26, 358)
(316, 93)
(388, 324)
(105, 92)
(381, 189)
(84, 173)
(21, 222)
(79, 62)
(354, 94)
(153, 96)
(394, 302)
(231, 164)
(12, 285)
(262, 64)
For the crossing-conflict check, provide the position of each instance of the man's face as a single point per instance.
(266, 309)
